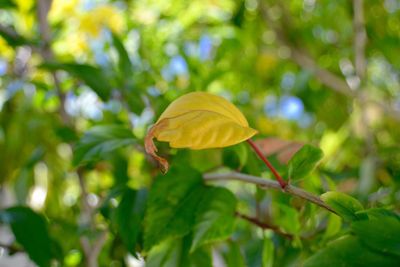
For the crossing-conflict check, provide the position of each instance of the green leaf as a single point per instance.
(25, 178)
(175, 253)
(129, 216)
(126, 78)
(377, 213)
(172, 205)
(268, 253)
(381, 233)
(234, 257)
(92, 76)
(30, 230)
(215, 217)
(99, 141)
(344, 205)
(235, 156)
(13, 38)
(304, 161)
(7, 4)
(349, 252)
(124, 62)
(333, 226)
(288, 219)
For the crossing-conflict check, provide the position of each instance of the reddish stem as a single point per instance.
(282, 182)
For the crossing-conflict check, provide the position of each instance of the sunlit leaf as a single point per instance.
(198, 121)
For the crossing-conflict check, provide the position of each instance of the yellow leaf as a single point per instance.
(198, 121)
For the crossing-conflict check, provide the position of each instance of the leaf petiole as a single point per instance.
(256, 149)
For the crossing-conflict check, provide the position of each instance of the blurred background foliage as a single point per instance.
(82, 80)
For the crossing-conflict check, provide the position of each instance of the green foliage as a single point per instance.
(348, 251)
(188, 206)
(7, 4)
(215, 217)
(81, 85)
(30, 230)
(304, 161)
(236, 156)
(126, 77)
(380, 233)
(344, 205)
(172, 206)
(268, 253)
(233, 256)
(129, 216)
(176, 254)
(92, 76)
(99, 141)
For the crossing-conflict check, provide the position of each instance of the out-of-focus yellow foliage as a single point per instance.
(5, 50)
(199, 121)
(74, 43)
(61, 9)
(25, 14)
(82, 25)
(265, 63)
(102, 16)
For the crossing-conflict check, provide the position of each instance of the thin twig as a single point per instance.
(91, 248)
(303, 58)
(268, 184)
(43, 7)
(263, 225)
(11, 248)
(360, 39)
(280, 180)
(330, 79)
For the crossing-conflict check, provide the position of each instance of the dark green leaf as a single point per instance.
(234, 257)
(382, 233)
(304, 161)
(126, 78)
(287, 217)
(172, 205)
(349, 252)
(92, 76)
(30, 230)
(7, 4)
(99, 141)
(377, 213)
(235, 157)
(215, 217)
(346, 206)
(13, 38)
(176, 254)
(129, 216)
(268, 253)
(134, 100)
(124, 61)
